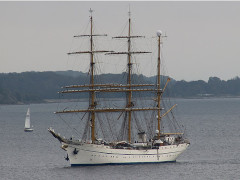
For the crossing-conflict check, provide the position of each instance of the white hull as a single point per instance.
(92, 154)
(28, 129)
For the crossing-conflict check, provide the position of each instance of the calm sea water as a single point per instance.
(213, 128)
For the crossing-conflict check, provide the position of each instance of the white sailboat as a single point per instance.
(150, 145)
(27, 127)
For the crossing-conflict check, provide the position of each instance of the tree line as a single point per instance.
(34, 87)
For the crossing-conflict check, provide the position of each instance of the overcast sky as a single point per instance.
(203, 37)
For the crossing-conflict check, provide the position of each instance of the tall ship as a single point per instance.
(125, 131)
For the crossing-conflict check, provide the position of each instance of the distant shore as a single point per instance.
(42, 87)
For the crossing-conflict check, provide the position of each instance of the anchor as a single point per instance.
(75, 151)
(67, 158)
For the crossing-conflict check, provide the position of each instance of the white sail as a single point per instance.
(27, 121)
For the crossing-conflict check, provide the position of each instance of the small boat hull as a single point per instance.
(28, 130)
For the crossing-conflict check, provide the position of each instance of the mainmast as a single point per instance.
(159, 33)
(129, 78)
(92, 94)
(129, 103)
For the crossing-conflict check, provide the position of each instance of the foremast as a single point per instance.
(92, 101)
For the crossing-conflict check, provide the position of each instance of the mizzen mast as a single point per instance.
(159, 91)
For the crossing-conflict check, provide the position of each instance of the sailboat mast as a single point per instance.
(129, 103)
(158, 83)
(92, 94)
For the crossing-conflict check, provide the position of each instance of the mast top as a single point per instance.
(159, 33)
(91, 11)
(129, 12)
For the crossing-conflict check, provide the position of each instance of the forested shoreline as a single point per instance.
(36, 87)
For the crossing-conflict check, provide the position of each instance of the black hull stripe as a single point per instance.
(128, 163)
